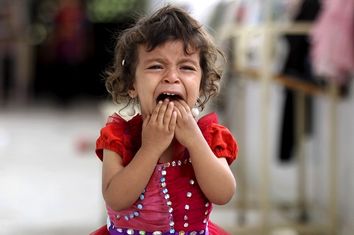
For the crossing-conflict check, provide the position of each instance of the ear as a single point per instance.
(132, 92)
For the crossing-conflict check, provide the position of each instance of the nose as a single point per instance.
(171, 76)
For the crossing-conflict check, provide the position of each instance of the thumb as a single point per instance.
(146, 119)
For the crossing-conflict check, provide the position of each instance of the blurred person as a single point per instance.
(6, 47)
(67, 50)
(15, 56)
(163, 169)
(69, 38)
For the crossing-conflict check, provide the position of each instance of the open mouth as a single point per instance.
(169, 96)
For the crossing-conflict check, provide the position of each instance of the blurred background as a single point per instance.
(286, 94)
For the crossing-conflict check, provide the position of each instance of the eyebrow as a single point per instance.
(196, 63)
(162, 61)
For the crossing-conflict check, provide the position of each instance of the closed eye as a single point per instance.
(155, 66)
(186, 67)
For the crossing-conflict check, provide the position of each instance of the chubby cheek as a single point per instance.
(147, 104)
(144, 93)
(193, 98)
(191, 101)
(146, 107)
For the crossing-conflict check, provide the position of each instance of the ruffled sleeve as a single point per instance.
(222, 143)
(120, 136)
(111, 137)
(219, 138)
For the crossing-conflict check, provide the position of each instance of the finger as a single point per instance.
(173, 121)
(183, 108)
(185, 105)
(161, 115)
(177, 108)
(146, 119)
(168, 114)
(155, 113)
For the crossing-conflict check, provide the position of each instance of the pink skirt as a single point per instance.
(213, 229)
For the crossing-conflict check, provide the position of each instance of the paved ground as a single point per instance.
(50, 181)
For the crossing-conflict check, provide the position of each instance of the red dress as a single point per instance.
(172, 201)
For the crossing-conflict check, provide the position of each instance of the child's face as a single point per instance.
(166, 72)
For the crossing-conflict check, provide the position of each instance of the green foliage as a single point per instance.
(113, 10)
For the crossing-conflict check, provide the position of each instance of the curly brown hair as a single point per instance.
(166, 24)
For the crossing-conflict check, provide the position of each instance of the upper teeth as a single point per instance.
(168, 94)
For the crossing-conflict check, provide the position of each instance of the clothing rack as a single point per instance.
(266, 78)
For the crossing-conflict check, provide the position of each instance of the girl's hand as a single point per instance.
(187, 129)
(159, 127)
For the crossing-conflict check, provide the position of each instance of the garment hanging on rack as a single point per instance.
(288, 128)
(332, 40)
(298, 63)
(298, 66)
